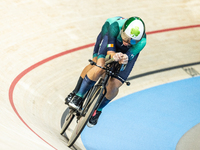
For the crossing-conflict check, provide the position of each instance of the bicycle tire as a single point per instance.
(83, 120)
(67, 122)
(89, 95)
(89, 99)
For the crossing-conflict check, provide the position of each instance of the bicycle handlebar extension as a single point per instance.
(108, 62)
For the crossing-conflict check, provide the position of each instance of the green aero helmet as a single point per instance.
(133, 30)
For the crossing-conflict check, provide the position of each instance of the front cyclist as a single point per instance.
(126, 38)
(99, 53)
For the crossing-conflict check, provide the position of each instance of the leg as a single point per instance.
(92, 75)
(113, 88)
(96, 72)
(115, 83)
(112, 91)
(80, 80)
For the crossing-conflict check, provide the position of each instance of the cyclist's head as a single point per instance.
(133, 30)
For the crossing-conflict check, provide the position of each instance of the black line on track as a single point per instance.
(162, 70)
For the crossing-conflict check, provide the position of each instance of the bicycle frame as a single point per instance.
(102, 82)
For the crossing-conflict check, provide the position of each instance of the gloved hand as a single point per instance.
(118, 56)
(121, 58)
(124, 59)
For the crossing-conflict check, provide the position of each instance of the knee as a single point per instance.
(101, 62)
(94, 59)
(112, 90)
(98, 71)
(113, 85)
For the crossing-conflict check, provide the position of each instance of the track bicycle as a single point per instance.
(92, 99)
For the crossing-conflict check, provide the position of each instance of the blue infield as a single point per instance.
(152, 119)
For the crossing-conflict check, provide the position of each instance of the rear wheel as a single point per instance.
(83, 120)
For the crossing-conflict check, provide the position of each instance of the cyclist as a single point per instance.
(125, 39)
(99, 54)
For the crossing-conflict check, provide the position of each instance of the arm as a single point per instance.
(135, 49)
(113, 32)
(111, 53)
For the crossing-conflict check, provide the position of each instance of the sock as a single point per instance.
(85, 86)
(80, 80)
(105, 101)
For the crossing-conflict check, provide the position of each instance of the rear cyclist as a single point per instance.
(126, 38)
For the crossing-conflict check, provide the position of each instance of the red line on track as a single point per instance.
(173, 29)
(16, 80)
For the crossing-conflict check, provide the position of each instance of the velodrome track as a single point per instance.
(46, 44)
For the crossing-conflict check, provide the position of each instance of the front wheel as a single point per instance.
(83, 120)
(67, 122)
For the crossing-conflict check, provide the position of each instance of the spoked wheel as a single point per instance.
(83, 120)
(68, 120)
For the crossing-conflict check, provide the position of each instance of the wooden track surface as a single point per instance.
(33, 88)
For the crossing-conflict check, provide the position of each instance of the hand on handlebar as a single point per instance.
(118, 56)
(121, 58)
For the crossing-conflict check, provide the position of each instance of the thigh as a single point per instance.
(96, 72)
(114, 83)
